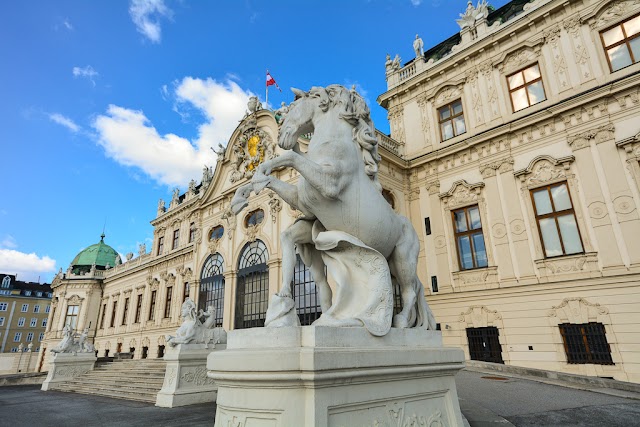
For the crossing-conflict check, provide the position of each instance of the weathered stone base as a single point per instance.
(66, 366)
(185, 380)
(323, 376)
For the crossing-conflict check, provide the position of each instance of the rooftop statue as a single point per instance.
(347, 224)
(472, 14)
(418, 46)
(193, 331)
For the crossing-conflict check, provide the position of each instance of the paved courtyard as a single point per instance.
(485, 401)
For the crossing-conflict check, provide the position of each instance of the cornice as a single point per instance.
(144, 267)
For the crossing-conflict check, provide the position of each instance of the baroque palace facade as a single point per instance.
(514, 151)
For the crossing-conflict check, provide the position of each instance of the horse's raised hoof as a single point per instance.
(399, 321)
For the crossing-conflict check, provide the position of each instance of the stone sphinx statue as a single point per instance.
(193, 331)
(340, 197)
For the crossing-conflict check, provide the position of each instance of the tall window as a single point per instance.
(47, 309)
(186, 290)
(36, 308)
(167, 302)
(113, 313)
(34, 322)
(176, 238)
(192, 232)
(21, 321)
(104, 310)
(556, 220)
(622, 43)
(212, 286)
(138, 308)
(30, 337)
(252, 291)
(451, 119)
(3, 306)
(6, 282)
(17, 337)
(41, 336)
(72, 316)
(305, 294)
(160, 245)
(152, 306)
(467, 229)
(1, 321)
(25, 308)
(525, 88)
(125, 311)
(44, 322)
(586, 343)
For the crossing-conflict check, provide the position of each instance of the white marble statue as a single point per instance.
(281, 112)
(340, 196)
(192, 331)
(73, 343)
(418, 46)
(396, 64)
(472, 14)
(142, 249)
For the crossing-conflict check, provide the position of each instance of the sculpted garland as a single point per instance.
(347, 225)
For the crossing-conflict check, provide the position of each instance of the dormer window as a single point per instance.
(451, 119)
(6, 282)
(622, 43)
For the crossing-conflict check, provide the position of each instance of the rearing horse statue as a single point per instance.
(338, 190)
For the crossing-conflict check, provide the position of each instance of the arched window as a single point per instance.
(212, 286)
(252, 290)
(6, 282)
(305, 294)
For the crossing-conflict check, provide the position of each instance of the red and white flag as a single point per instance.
(271, 81)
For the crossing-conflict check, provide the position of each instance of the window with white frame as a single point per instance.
(6, 282)
(34, 322)
(3, 306)
(17, 337)
(1, 321)
(44, 322)
(14, 349)
(30, 337)
(36, 308)
(38, 294)
(47, 309)
(27, 293)
(41, 337)
(21, 321)
(25, 308)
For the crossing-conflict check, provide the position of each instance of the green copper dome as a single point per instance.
(100, 254)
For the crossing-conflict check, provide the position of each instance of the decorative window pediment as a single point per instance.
(577, 310)
(461, 194)
(479, 316)
(545, 170)
(74, 299)
(514, 60)
(612, 12)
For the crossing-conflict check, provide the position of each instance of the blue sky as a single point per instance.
(107, 106)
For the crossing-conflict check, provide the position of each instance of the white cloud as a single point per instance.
(146, 16)
(67, 24)
(64, 121)
(8, 242)
(87, 72)
(416, 2)
(27, 266)
(129, 138)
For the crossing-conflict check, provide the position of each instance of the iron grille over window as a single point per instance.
(484, 344)
(212, 286)
(586, 343)
(252, 291)
(305, 294)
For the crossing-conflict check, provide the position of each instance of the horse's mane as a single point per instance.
(357, 113)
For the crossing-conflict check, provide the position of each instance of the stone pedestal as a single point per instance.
(66, 366)
(324, 376)
(185, 380)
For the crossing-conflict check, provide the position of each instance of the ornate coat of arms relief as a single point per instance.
(251, 149)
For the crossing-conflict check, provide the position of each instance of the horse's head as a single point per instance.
(299, 119)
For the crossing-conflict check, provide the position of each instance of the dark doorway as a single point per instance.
(160, 351)
(484, 344)
(145, 351)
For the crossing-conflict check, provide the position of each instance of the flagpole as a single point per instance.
(266, 100)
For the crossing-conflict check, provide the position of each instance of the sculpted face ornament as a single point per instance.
(340, 198)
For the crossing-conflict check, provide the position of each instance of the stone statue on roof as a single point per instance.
(396, 64)
(418, 46)
(472, 14)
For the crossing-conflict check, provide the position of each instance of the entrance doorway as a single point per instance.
(484, 344)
